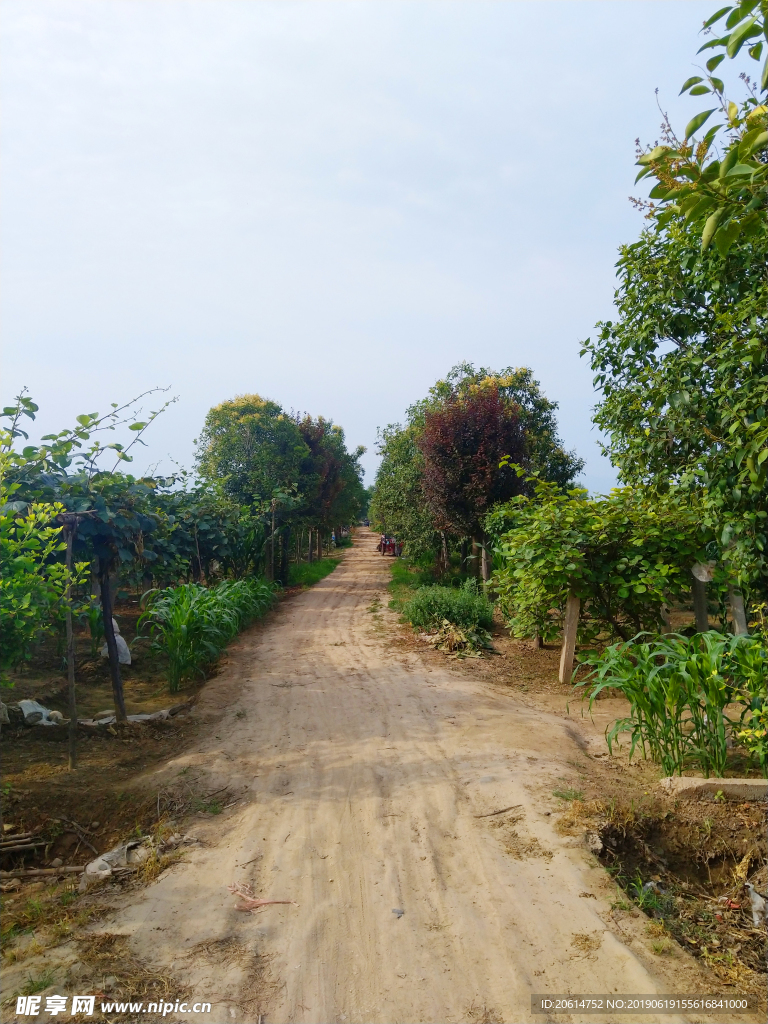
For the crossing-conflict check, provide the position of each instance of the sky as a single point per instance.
(326, 203)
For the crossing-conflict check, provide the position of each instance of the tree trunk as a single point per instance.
(700, 605)
(109, 635)
(464, 553)
(284, 553)
(738, 612)
(319, 545)
(72, 697)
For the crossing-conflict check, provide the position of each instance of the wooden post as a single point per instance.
(699, 588)
(738, 613)
(71, 695)
(570, 629)
(109, 636)
(272, 545)
(476, 567)
(485, 565)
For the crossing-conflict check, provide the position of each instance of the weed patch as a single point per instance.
(430, 607)
(306, 574)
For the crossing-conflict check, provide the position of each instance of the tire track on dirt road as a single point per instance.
(360, 772)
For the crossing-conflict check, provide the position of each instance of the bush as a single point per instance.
(683, 692)
(431, 606)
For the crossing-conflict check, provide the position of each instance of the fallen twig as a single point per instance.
(250, 902)
(21, 846)
(28, 872)
(503, 810)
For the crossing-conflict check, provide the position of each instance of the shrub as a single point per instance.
(466, 608)
(680, 690)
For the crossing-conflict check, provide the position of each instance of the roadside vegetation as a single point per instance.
(157, 573)
(306, 574)
(477, 484)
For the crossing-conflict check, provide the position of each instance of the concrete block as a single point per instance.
(732, 789)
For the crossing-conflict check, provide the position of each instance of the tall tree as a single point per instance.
(253, 445)
(462, 445)
(399, 503)
(683, 368)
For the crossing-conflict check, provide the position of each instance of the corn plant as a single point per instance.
(681, 691)
(191, 624)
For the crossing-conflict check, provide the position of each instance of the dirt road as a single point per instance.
(368, 784)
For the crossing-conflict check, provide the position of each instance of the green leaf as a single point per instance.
(753, 142)
(696, 122)
(699, 209)
(756, 51)
(700, 90)
(730, 160)
(710, 227)
(690, 82)
(712, 43)
(716, 16)
(741, 171)
(726, 236)
(137, 426)
(740, 35)
(713, 62)
(736, 16)
(717, 83)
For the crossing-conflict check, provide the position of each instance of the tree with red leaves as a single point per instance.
(462, 444)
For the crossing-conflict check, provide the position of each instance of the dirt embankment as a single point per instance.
(406, 806)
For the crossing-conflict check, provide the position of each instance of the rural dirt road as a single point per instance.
(366, 783)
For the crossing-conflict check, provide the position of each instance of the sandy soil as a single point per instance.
(367, 783)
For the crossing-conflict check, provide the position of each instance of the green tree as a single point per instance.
(399, 505)
(253, 446)
(625, 557)
(683, 377)
(719, 183)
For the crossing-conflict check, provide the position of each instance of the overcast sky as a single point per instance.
(327, 203)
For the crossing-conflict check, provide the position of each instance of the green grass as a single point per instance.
(568, 794)
(308, 573)
(38, 983)
(407, 578)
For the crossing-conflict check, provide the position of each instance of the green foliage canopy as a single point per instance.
(625, 556)
(722, 196)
